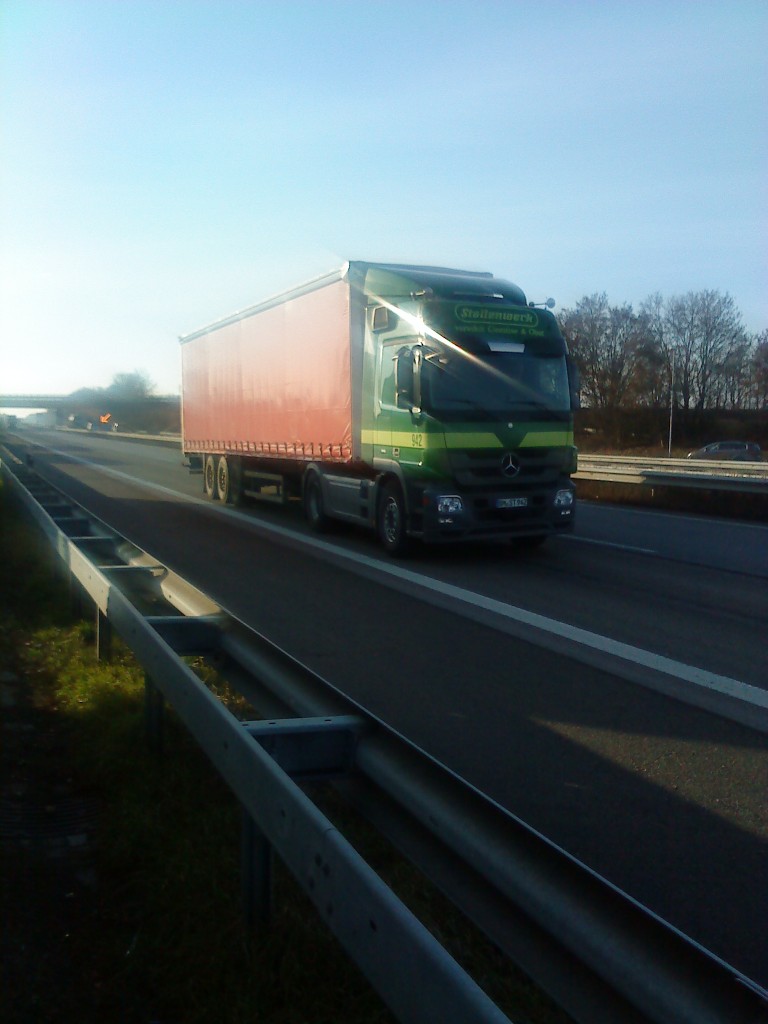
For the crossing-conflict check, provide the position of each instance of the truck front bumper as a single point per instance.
(442, 514)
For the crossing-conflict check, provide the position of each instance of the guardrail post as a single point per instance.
(256, 857)
(76, 596)
(103, 637)
(154, 706)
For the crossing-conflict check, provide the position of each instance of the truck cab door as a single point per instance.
(386, 401)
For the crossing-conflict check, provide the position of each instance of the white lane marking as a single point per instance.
(609, 544)
(582, 637)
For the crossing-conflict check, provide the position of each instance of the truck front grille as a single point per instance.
(483, 467)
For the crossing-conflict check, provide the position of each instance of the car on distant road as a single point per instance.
(733, 451)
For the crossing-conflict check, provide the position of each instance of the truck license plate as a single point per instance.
(511, 502)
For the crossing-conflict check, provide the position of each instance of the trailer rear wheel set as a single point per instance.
(209, 476)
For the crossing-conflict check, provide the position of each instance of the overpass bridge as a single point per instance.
(78, 400)
(148, 414)
(36, 401)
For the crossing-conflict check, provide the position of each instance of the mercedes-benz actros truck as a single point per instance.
(426, 403)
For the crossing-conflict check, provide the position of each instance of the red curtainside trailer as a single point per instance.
(274, 381)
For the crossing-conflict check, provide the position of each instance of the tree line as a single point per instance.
(689, 353)
(131, 404)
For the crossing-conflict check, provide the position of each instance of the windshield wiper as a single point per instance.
(538, 411)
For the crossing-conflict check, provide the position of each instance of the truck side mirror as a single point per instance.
(408, 379)
(383, 319)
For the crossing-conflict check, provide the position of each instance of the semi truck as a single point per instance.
(426, 403)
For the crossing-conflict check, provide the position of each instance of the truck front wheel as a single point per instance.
(391, 521)
(209, 477)
(313, 504)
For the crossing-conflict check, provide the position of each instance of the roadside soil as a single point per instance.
(49, 887)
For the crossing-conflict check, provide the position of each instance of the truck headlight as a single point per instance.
(564, 499)
(449, 504)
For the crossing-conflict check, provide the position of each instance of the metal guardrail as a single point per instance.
(392, 948)
(597, 952)
(698, 474)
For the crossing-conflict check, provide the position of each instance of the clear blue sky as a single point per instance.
(166, 163)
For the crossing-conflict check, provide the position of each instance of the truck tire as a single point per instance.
(391, 521)
(313, 505)
(236, 495)
(223, 481)
(209, 476)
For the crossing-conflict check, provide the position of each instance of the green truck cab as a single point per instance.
(470, 413)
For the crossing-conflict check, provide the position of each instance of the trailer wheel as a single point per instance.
(209, 477)
(391, 521)
(236, 495)
(313, 505)
(223, 481)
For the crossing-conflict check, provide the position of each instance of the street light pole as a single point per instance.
(671, 404)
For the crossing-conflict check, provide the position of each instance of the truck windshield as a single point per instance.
(454, 382)
(493, 358)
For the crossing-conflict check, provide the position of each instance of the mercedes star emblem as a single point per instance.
(510, 466)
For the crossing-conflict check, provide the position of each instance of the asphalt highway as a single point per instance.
(535, 676)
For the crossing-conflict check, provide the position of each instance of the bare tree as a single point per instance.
(606, 343)
(610, 347)
(721, 332)
(133, 386)
(704, 333)
(657, 358)
(760, 371)
(652, 381)
(732, 385)
(679, 330)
